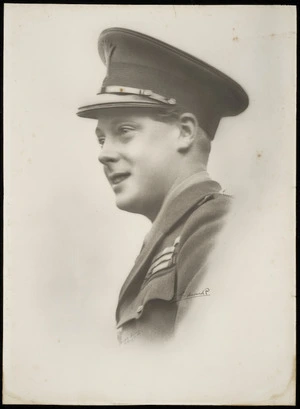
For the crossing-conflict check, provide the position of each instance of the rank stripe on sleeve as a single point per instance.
(163, 260)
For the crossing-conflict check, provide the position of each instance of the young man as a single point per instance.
(158, 111)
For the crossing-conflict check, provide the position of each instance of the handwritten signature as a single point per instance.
(132, 336)
(183, 296)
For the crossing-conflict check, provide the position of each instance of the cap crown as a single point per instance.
(137, 64)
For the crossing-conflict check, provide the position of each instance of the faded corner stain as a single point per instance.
(292, 382)
(235, 38)
(275, 397)
(12, 399)
(9, 398)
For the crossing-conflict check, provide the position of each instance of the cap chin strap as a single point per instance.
(115, 89)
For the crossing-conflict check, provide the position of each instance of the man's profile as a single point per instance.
(157, 113)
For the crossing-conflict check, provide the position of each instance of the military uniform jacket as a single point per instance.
(172, 260)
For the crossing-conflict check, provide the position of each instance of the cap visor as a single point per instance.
(105, 101)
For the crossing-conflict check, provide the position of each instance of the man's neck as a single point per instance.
(179, 185)
(174, 192)
(179, 181)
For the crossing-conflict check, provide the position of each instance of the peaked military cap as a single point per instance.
(145, 72)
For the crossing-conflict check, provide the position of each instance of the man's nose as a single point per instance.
(108, 154)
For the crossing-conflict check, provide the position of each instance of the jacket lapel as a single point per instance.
(171, 214)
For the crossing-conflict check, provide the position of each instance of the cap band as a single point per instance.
(118, 89)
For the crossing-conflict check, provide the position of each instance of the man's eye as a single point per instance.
(101, 141)
(125, 129)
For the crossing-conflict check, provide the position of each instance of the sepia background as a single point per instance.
(68, 248)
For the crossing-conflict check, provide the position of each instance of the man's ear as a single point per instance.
(188, 131)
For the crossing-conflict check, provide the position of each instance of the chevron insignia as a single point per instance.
(164, 259)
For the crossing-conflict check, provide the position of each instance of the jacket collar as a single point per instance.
(180, 200)
(176, 201)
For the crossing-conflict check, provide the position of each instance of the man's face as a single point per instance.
(140, 158)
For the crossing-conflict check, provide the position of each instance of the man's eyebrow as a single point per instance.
(116, 121)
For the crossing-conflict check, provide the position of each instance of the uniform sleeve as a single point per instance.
(197, 241)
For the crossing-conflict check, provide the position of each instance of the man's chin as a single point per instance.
(126, 205)
(138, 207)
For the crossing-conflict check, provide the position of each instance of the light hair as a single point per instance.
(172, 115)
(168, 115)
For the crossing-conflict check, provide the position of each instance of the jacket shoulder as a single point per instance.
(212, 210)
(198, 237)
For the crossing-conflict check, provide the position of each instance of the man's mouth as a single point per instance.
(117, 178)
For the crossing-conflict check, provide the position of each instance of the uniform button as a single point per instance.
(140, 309)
